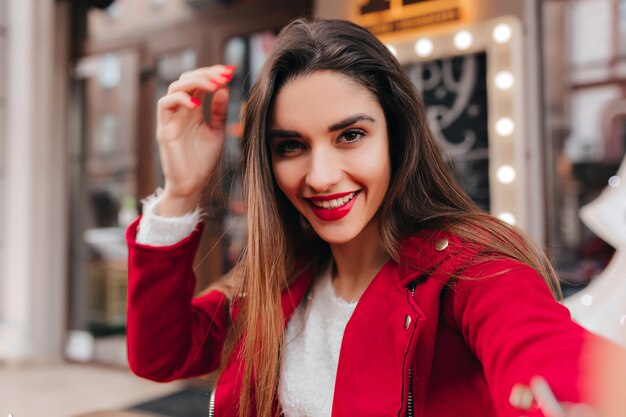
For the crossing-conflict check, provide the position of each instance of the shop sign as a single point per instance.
(384, 16)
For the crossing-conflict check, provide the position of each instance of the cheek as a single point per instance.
(287, 179)
(383, 164)
(374, 167)
(379, 178)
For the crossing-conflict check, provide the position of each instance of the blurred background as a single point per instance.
(528, 99)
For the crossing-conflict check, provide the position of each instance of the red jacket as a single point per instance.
(467, 341)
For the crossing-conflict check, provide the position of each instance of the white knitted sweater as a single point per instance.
(311, 351)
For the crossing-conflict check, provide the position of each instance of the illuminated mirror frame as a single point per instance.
(501, 40)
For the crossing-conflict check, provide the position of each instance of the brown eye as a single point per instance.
(352, 135)
(289, 146)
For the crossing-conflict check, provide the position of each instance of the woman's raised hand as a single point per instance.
(189, 147)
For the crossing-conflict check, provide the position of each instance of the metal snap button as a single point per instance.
(407, 322)
(441, 244)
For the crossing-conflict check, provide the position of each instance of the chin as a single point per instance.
(334, 240)
(335, 237)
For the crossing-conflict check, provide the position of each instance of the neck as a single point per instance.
(357, 262)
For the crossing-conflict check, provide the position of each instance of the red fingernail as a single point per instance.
(227, 76)
(195, 101)
(231, 67)
(217, 83)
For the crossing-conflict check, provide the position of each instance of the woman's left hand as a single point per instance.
(551, 407)
(539, 396)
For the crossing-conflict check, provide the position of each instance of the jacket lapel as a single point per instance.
(444, 256)
(373, 358)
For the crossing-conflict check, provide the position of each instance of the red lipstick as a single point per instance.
(332, 213)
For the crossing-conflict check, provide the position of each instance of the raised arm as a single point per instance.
(171, 335)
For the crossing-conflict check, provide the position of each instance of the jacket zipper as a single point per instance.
(409, 407)
(212, 404)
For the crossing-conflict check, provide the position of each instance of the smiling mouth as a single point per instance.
(334, 203)
(333, 207)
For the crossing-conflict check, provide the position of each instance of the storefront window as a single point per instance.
(473, 90)
(586, 129)
(455, 94)
(585, 123)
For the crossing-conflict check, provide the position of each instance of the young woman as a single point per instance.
(370, 284)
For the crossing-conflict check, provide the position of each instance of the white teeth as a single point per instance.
(334, 203)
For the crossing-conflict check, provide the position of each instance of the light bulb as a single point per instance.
(506, 174)
(587, 300)
(424, 47)
(463, 40)
(504, 80)
(502, 33)
(505, 126)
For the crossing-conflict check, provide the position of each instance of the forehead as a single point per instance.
(321, 98)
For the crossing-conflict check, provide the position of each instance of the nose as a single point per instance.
(324, 171)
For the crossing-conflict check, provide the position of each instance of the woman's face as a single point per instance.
(330, 153)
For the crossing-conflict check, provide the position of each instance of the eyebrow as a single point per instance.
(350, 121)
(282, 133)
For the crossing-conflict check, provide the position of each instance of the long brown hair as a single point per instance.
(422, 192)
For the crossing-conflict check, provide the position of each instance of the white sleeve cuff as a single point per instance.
(156, 230)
